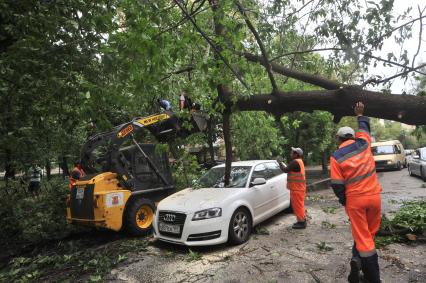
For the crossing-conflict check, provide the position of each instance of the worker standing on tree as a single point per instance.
(354, 181)
(296, 183)
(165, 104)
(184, 101)
(35, 174)
(76, 174)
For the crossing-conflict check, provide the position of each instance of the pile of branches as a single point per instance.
(408, 222)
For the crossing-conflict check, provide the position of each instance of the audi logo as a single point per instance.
(169, 217)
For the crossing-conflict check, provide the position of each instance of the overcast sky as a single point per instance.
(400, 85)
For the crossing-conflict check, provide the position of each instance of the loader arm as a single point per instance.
(163, 126)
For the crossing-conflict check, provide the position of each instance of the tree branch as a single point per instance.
(341, 49)
(186, 69)
(183, 20)
(397, 75)
(265, 60)
(213, 45)
(420, 37)
(301, 76)
(395, 29)
(407, 109)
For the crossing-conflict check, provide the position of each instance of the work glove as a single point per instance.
(340, 194)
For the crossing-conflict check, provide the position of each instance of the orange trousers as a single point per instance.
(365, 215)
(297, 199)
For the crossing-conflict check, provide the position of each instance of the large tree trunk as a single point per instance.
(324, 162)
(64, 167)
(407, 109)
(210, 138)
(48, 168)
(228, 146)
(223, 93)
(9, 167)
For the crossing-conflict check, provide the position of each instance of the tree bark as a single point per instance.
(210, 138)
(304, 77)
(223, 93)
(48, 169)
(324, 163)
(64, 167)
(407, 109)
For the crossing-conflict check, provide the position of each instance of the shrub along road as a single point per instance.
(277, 253)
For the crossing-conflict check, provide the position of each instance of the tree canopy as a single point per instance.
(70, 69)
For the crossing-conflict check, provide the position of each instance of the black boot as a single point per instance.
(370, 268)
(299, 225)
(354, 275)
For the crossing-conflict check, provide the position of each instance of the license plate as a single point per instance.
(169, 228)
(79, 194)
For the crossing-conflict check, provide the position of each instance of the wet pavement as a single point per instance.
(280, 254)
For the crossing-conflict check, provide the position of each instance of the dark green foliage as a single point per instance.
(26, 220)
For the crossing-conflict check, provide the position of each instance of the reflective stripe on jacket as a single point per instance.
(296, 181)
(353, 166)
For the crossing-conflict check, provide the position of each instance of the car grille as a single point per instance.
(174, 218)
(204, 236)
(381, 163)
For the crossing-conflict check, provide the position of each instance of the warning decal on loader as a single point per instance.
(153, 119)
(114, 199)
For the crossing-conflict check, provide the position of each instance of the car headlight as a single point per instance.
(389, 162)
(207, 213)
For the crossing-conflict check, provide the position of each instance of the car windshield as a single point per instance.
(214, 178)
(383, 149)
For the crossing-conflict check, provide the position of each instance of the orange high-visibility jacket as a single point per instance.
(296, 181)
(352, 166)
(76, 174)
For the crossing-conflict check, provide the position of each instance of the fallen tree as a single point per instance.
(407, 109)
(336, 98)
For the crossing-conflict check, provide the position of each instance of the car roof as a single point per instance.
(393, 142)
(246, 163)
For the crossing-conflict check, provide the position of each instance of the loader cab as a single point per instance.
(145, 177)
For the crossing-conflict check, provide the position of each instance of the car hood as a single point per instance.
(385, 157)
(191, 200)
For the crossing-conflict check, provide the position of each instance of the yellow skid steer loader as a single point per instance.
(123, 183)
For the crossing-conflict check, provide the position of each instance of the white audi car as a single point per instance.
(212, 214)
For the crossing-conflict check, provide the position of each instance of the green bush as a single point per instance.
(27, 220)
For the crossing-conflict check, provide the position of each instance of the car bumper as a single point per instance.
(386, 166)
(197, 233)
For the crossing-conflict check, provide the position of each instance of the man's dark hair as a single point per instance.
(348, 137)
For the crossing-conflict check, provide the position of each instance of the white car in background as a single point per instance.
(417, 164)
(213, 214)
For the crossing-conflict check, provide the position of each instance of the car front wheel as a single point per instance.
(239, 226)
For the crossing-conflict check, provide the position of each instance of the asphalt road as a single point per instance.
(280, 254)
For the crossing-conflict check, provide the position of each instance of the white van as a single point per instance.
(389, 155)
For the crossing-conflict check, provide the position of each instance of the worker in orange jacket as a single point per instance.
(355, 183)
(296, 183)
(76, 174)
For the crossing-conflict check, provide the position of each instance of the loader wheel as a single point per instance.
(139, 216)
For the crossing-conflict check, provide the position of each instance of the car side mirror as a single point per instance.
(416, 157)
(258, 182)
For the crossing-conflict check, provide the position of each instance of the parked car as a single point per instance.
(214, 214)
(417, 165)
(409, 154)
(389, 155)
